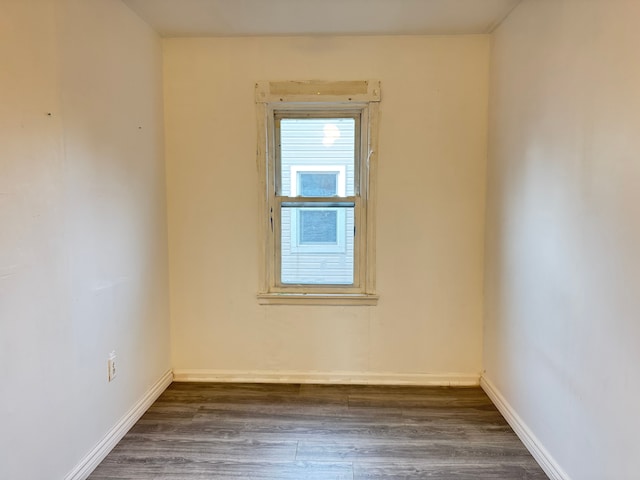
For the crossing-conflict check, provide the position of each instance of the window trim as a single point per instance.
(275, 98)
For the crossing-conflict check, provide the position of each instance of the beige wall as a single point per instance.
(430, 208)
(563, 231)
(83, 266)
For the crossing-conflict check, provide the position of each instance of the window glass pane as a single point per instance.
(318, 226)
(317, 245)
(317, 145)
(318, 184)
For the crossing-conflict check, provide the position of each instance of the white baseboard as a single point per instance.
(354, 378)
(533, 444)
(111, 439)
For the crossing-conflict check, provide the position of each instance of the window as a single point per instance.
(316, 155)
(319, 230)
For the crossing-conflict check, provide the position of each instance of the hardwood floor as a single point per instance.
(319, 432)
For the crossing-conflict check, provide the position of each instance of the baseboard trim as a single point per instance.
(338, 378)
(533, 444)
(111, 439)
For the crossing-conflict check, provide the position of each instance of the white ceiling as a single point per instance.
(172, 18)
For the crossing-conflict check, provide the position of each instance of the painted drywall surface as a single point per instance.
(83, 267)
(563, 268)
(430, 207)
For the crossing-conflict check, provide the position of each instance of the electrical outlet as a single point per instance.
(113, 371)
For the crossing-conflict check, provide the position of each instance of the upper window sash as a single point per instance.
(278, 115)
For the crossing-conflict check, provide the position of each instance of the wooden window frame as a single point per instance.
(318, 99)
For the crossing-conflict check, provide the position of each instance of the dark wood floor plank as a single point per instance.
(319, 432)
(262, 471)
(421, 452)
(200, 449)
(172, 469)
(443, 472)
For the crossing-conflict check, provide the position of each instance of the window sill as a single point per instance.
(334, 299)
